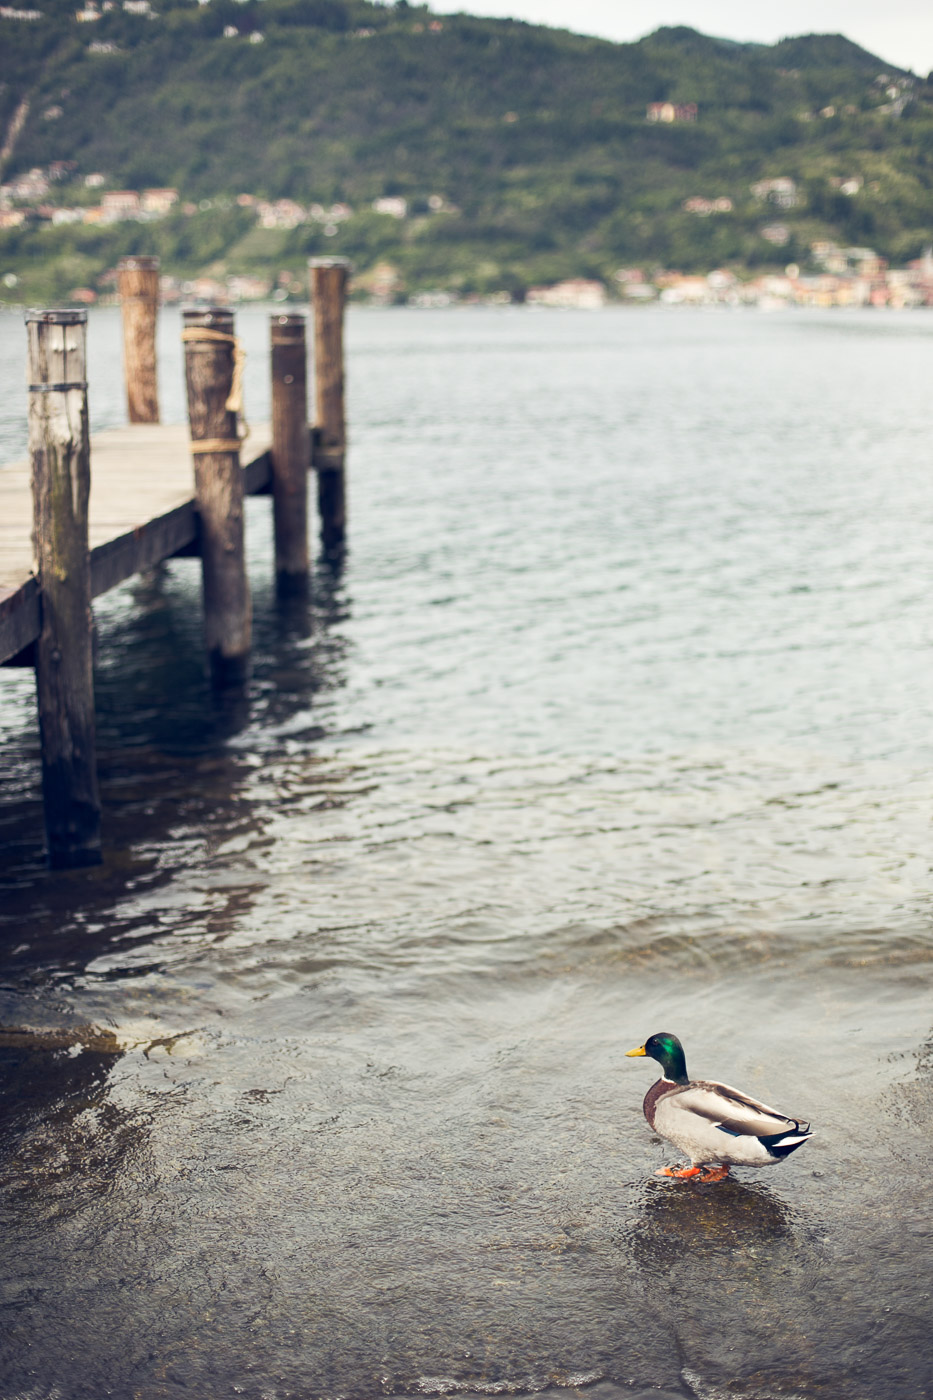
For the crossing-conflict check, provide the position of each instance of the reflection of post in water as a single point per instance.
(332, 606)
(293, 620)
(230, 709)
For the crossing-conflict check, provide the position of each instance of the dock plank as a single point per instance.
(142, 510)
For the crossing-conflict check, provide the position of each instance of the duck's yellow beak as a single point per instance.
(639, 1051)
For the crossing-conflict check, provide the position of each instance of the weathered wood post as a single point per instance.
(290, 452)
(328, 296)
(138, 284)
(60, 453)
(213, 367)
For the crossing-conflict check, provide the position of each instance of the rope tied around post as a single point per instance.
(57, 388)
(234, 403)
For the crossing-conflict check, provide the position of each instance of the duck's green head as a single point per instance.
(669, 1053)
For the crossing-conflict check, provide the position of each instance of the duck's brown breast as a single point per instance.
(656, 1092)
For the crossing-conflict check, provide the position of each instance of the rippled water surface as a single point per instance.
(619, 717)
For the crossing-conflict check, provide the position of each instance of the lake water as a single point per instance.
(618, 718)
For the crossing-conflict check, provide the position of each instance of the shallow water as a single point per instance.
(617, 719)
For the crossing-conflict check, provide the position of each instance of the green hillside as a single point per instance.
(524, 153)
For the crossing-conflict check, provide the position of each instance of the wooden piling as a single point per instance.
(328, 297)
(60, 455)
(290, 452)
(138, 283)
(212, 376)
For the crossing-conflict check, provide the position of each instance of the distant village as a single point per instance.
(835, 276)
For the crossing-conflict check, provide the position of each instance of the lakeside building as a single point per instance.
(836, 276)
(119, 204)
(781, 191)
(897, 288)
(580, 292)
(392, 205)
(158, 202)
(671, 112)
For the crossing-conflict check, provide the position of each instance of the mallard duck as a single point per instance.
(717, 1127)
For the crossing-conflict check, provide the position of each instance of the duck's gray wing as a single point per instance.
(730, 1109)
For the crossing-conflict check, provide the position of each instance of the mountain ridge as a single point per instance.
(538, 142)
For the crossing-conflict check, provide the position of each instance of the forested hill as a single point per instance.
(524, 153)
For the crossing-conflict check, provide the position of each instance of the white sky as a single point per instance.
(899, 31)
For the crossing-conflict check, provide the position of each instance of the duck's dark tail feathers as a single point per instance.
(783, 1144)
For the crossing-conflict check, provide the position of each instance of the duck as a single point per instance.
(718, 1127)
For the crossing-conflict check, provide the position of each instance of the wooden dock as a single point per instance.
(82, 514)
(142, 510)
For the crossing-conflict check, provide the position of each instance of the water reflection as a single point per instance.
(732, 1274)
(62, 1140)
(175, 783)
(683, 1218)
(151, 676)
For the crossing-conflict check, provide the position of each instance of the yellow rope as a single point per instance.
(216, 445)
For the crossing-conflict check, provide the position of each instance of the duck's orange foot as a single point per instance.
(716, 1173)
(680, 1172)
